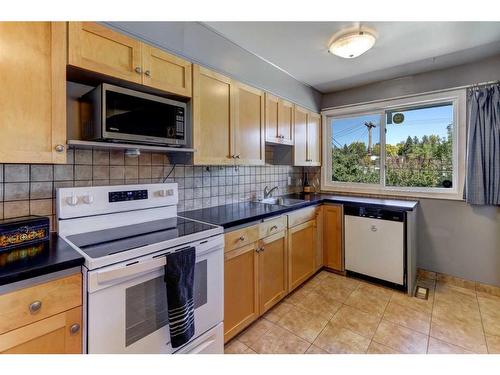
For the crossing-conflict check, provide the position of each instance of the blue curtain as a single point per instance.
(483, 161)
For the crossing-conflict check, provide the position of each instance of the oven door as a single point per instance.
(127, 303)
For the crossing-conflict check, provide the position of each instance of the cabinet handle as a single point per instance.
(138, 70)
(259, 249)
(242, 238)
(237, 156)
(147, 73)
(274, 227)
(59, 148)
(35, 306)
(74, 328)
(262, 249)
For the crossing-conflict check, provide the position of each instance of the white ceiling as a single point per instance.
(402, 48)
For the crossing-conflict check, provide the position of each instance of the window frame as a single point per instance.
(457, 98)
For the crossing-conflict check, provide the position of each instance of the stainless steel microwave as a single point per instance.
(112, 113)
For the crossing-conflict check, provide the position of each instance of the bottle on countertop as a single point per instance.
(307, 186)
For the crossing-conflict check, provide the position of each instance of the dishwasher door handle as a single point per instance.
(373, 228)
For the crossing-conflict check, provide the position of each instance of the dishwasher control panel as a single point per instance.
(375, 213)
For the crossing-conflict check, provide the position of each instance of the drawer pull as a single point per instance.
(35, 306)
(274, 227)
(242, 238)
(74, 328)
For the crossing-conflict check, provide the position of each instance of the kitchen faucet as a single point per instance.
(267, 192)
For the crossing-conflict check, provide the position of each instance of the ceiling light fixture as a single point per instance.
(352, 45)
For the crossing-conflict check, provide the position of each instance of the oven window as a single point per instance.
(146, 304)
(146, 309)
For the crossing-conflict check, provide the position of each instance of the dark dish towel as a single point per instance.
(179, 277)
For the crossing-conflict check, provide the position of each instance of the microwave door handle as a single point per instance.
(104, 277)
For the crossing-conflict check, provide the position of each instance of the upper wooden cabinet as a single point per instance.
(33, 92)
(211, 117)
(166, 72)
(314, 138)
(332, 237)
(228, 120)
(248, 124)
(99, 49)
(94, 47)
(279, 120)
(307, 128)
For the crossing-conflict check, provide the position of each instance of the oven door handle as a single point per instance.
(104, 277)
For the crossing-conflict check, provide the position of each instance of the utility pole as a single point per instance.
(370, 125)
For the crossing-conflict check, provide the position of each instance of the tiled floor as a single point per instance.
(335, 314)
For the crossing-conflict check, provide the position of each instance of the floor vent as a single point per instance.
(422, 293)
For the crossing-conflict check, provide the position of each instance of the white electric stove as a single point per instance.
(124, 233)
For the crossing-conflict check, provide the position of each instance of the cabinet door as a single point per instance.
(272, 110)
(285, 122)
(300, 136)
(332, 237)
(211, 117)
(241, 298)
(301, 253)
(33, 94)
(319, 238)
(313, 139)
(96, 48)
(165, 71)
(248, 124)
(272, 270)
(58, 334)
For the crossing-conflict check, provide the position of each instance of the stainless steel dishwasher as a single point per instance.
(375, 243)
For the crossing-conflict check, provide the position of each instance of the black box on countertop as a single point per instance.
(22, 231)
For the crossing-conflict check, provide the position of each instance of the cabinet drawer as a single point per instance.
(301, 216)
(58, 334)
(38, 302)
(241, 237)
(272, 226)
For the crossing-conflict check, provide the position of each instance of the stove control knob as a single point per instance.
(88, 199)
(72, 200)
(169, 192)
(161, 193)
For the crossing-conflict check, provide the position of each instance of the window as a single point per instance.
(413, 146)
(356, 149)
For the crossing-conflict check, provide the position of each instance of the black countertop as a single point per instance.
(231, 215)
(26, 262)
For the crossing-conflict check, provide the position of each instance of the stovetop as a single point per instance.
(97, 244)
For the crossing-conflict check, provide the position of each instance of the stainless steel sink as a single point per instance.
(281, 201)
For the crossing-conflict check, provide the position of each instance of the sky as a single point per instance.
(418, 122)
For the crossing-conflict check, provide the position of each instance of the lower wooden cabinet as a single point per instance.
(319, 239)
(332, 237)
(43, 319)
(265, 262)
(272, 270)
(302, 253)
(59, 334)
(241, 297)
(255, 274)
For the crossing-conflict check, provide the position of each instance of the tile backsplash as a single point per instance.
(29, 189)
